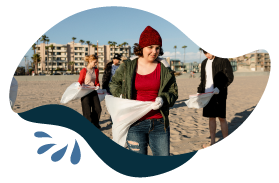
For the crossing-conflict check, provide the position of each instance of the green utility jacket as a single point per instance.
(124, 78)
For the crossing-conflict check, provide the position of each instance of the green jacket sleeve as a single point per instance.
(171, 95)
(115, 85)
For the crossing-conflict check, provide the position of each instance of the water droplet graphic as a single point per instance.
(75, 157)
(59, 154)
(44, 148)
(42, 134)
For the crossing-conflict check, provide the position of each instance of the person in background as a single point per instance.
(146, 78)
(110, 71)
(90, 103)
(216, 73)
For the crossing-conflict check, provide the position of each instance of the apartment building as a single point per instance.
(253, 62)
(65, 57)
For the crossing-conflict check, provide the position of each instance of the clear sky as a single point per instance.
(120, 24)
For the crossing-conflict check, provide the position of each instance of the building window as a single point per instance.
(81, 64)
(58, 48)
(86, 49)
(38, 48)
(111, 54)
(58, 53)
(95, 48)
(111, 49)
(76, 48)
(86, 53)
(76, 53)
(76, 64)
(75, 58)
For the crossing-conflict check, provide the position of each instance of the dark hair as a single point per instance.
(138, 50)
(204, 52)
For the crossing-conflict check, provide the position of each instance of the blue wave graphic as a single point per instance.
(42, 134)
(115, 156)
(75, 157)
(59, 154)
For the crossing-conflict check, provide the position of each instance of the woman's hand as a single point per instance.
(158, 103)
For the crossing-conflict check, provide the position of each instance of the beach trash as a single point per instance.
(200, 100)
(124, 113)
(13, 92)
(76, 91)
(102, 94)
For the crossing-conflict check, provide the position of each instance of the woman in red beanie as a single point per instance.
(90, 103)
(146, 78)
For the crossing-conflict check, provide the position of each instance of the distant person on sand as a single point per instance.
(192, 74)
(216, 72)
(90, 103)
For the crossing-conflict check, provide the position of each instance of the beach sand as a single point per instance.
(189, 130)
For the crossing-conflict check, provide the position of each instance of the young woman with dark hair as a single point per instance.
(145, 78)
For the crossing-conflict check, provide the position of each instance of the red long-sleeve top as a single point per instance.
(82, 75)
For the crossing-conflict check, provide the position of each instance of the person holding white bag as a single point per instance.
(216, 76)
(146, 78)
(90, 103)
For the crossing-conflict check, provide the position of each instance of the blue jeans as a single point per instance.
(150, 131)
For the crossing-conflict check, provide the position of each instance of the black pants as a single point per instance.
(91, 108)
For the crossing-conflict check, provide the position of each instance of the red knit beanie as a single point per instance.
(150, 37)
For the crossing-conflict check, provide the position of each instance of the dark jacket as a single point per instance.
(222, 74)
(123, 82)
(106, 76)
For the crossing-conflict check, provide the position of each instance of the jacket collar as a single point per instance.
(162, 60)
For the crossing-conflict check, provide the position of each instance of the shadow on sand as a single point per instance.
(236, 121)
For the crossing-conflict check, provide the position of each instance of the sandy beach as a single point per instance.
(189, 130)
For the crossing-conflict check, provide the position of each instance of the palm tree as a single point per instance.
(113, 44)
(184, 51)
(119, 46)
(175, 51)
(89, 43)
(47, 40)
(34, 48)
(73, 38)
(81, 41)
(38, 41)
(52, 48)
(72, 66)
(44, 38)
(47, 48)
(124, 44)
(36, 59)
(94, 46)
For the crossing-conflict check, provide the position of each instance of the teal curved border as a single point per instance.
(115, 156)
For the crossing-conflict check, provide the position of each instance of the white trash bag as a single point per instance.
(102, 94)
(200, 100)
(13, 92)
(124, 113)
(76, 91)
